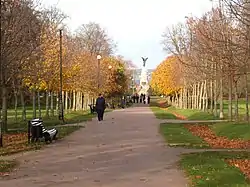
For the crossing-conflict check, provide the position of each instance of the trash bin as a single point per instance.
(37, 132)
(36, 129)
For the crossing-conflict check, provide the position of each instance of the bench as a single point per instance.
(92, 108)
(37, 132)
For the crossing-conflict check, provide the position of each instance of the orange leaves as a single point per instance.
(214, 141)
(166, 79)
(242, 164)
(14, 143)
(114, 79)
(10, 139)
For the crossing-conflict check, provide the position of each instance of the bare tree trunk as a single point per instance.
(189, 103)
(198, 95)
(52, 104)
(247, 100)
(201, 95)
(181, 98)
(230, 86)
(34, 102)
(215, 98)
(4, 108)
(66, 102)
(185, 97)
(204, 96)
(177, 99)
(221, 98)
(70, 100)
(23, 106)
(47, 104)
(195, 96)
(236, 110)
(16, 104)
(39, 104)
(63, 99)
(74, 101)
(57, 103)
(211, 97)
(81, 99)
(77, 100)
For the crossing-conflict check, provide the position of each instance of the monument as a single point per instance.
(144, 78)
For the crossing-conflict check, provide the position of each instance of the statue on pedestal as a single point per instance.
(143, 78)
(144, 61)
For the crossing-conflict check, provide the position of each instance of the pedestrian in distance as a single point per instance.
(100, 107)
(148, 99)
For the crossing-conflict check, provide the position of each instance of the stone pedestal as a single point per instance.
(144, 81)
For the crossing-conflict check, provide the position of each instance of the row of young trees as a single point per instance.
(29, 64)
(211, 57)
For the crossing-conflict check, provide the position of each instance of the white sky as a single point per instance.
(136, 25)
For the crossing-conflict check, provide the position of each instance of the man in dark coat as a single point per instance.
(100, 107)
(148, 99)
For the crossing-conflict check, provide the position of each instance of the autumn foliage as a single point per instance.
(167, 78)
(31, 51)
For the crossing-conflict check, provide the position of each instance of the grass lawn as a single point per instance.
(193, 114)
(232, 130)
(70, 118)
(178, 135)
(210, 169)
(16, 143)
(6, 166)
(162, 114)
(67, 130)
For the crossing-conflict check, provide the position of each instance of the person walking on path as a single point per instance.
(100, 107)
(148, 99)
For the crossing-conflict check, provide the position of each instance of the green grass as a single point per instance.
(193, 114)
(70, 118)
(232, 130)
(13, 148)
(177, 135)
(159, 112)
(67, 130)
(210, 169)
(162, 114)
(7, 166)
(188, 113)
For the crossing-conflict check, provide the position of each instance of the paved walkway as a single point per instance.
(124, 150)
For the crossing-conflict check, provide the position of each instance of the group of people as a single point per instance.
(100, 105)
(143, 98)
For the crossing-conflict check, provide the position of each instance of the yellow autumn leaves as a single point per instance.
(79, 69)
(167, 77)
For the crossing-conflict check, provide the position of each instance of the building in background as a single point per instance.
(137, 75)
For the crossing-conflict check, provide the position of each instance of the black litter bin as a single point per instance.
(36, 129)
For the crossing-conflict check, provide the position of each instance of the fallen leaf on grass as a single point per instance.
(9, 139)
(242, 164)
(3, 174)
(198, 177)
(204, 132)
(178, 116)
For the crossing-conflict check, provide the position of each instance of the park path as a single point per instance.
(124, 150)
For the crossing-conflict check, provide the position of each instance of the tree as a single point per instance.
(19, 38)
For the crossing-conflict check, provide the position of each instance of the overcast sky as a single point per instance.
(136, 25)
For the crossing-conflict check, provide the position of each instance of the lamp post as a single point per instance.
(99, 57)
(61, 116)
